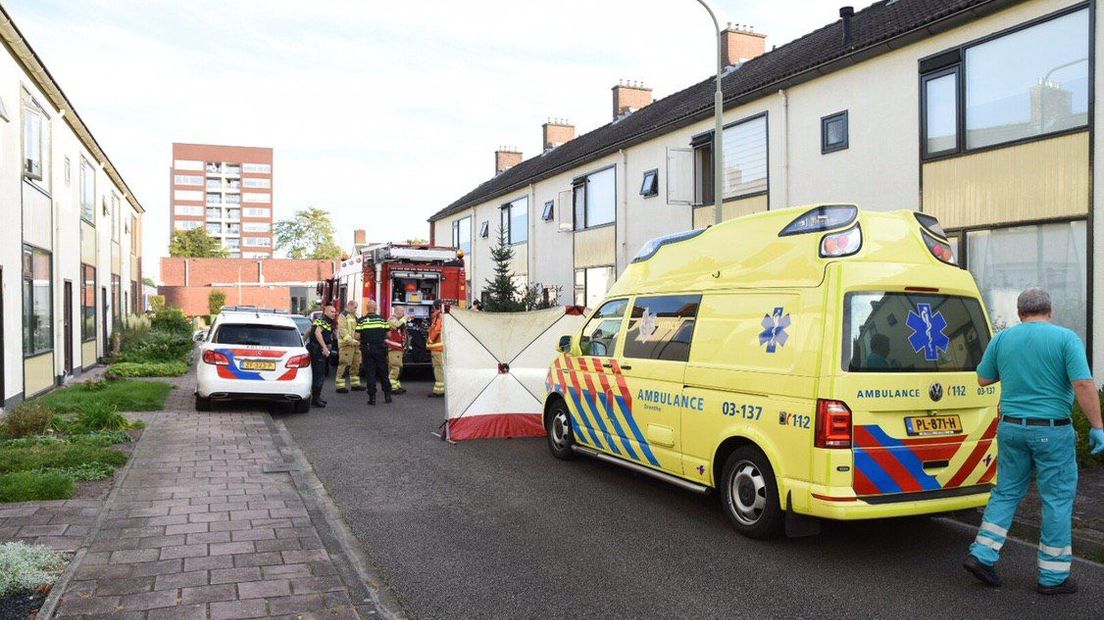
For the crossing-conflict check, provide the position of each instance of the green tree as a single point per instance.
(502, 289)
(195, 243)
(417, 241)
(215, 301)
(308, 234)
(148, 281)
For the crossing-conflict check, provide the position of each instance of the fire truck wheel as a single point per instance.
(749, 494)
(557, 422)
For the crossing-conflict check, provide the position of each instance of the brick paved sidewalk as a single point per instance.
(61, 525)
(198, 530)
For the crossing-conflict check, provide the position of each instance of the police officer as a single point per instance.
(373, 335)
(318, 345)
(348, 350)
(1041, 368)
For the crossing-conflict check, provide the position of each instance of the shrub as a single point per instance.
(1081, 426)
(31, 486)
(156, 346)
(171, 320)
(147, 369)
(29, 418)
(25, 567)
(157, 303)
(101, 416)
(215, 301)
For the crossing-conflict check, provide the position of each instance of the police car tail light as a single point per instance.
(299, 361)
(843, 243)
(215, 358)
(833, 425)
(939, 249)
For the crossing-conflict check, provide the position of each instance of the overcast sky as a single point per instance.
(380, 112)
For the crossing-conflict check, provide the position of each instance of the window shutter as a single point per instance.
(564, 211)
(680, 176)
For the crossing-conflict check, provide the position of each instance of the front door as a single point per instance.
(67, 315)
(106, 335)
(3, 390)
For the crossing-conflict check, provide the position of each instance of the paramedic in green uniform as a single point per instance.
(1041, 368)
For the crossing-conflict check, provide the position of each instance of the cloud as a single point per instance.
(380, 112)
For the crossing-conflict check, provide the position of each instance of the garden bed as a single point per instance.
(26, 574)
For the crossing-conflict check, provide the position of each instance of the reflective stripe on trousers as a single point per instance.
(438, 372)
(1050, 452)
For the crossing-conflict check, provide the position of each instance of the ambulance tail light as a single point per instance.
(833, 425)
(840, 244)
(939, 249)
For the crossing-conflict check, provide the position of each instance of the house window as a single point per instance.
(549, 211)
(1028, 83)
(254, 227)
(1005, 261)
(133, 235)
(187, 179)
(461, 234)
(592, 284)
(214, 229)
(116, 218)
(134, 297)
(36, 140)
(88, 303)
(88, 191)
(514, 221)
(68, 171)
(38, 312)
(116, 297)
(745, 161)
(833, 132)
(485, 229)
(257, 168)
(595, 197)
(650, 185)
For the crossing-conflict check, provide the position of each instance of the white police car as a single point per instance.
(252, 355)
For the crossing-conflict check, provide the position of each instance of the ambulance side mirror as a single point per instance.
(564, 346)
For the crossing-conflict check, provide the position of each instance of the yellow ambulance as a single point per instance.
(812, 362)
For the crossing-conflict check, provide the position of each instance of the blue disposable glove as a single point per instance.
(1096, 440)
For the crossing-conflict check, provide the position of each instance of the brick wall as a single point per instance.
(207, 271)
(193, 299)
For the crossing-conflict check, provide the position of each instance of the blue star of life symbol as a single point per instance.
(774, 330)
(927, 332)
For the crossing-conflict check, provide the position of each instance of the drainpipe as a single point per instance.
(622, 251)
(785, 148)
(187, 274)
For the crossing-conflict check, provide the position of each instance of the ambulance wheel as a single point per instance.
(202, 404)
(557, 422)
(749, 494)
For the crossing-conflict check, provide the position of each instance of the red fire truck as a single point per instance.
(412, 277)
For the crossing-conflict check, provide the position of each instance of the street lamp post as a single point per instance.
(718, 121)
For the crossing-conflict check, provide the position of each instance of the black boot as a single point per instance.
(372, 400)
(316, 399)
(342, 390)
(387, 397)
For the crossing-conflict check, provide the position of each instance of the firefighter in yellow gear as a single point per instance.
(348, 350)
(396, 347)
(436, 346)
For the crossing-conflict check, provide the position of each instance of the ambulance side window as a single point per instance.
(661, 327)
(602, 330)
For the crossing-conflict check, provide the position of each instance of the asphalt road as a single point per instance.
(500, 529)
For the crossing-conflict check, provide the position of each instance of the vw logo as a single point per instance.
(936, 392)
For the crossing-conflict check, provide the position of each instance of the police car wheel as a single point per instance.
(750, 494)
(202, 404)
(558, 426)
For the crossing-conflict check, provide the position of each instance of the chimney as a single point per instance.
(846, 13)
(360, 237)
(739, 43)
(506, 157)
(629, 96)
(556, 132)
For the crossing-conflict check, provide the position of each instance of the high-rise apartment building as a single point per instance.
(228, 191)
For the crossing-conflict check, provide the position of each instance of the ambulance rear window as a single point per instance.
(912, 332)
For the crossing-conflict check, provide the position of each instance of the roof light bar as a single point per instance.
(652, 246)
(819, 219)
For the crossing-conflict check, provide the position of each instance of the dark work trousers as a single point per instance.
(375, 370)
(319, 365)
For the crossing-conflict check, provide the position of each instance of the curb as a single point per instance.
(353, 564)
(1083, 547)
(49, 606)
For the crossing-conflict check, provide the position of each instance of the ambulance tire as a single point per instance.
(749, 494)
(557, 424)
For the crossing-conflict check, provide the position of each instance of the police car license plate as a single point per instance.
(257, 365)
(933, 425)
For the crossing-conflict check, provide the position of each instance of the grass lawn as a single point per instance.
(123, 395)
(42, 468)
